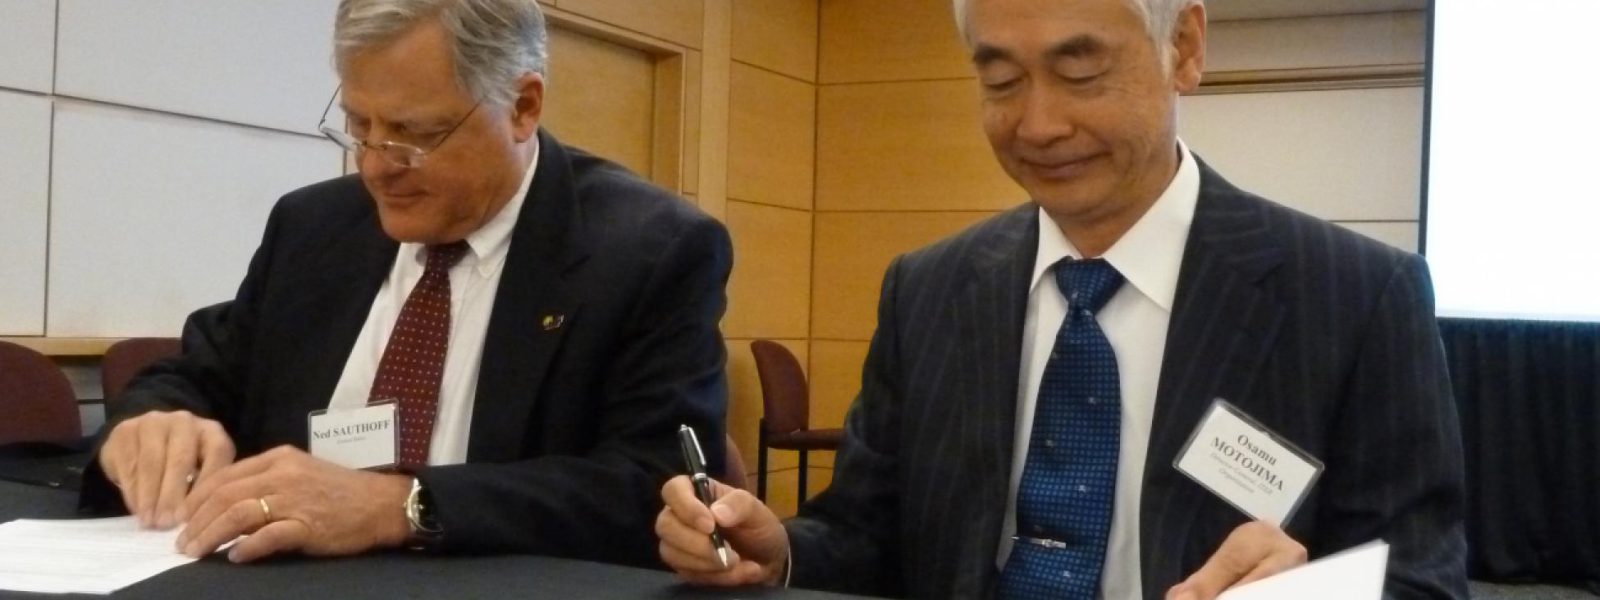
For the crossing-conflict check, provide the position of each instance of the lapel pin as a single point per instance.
(553, 322)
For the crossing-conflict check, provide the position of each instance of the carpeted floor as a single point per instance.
(1490, 591)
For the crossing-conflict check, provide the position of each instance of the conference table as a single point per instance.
(397, 574)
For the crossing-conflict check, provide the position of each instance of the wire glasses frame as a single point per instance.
(395, 153)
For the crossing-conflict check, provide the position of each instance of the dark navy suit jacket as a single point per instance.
(1322, 335)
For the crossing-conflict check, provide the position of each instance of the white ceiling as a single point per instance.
(1233, 10)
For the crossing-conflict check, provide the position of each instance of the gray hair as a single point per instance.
(494, 42)
(1160, 21)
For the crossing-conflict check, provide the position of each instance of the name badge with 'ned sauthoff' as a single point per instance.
(1248, 465)
(356, 438)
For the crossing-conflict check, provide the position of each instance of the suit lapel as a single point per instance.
(989, 315)
(533, 308)
(1222, 327)
(335, 300)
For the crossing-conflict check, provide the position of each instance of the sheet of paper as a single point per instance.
(1355, 574)
(89, 556)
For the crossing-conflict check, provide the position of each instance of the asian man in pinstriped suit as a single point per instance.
(1321, 335)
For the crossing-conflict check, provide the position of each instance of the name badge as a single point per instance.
(357, 438)
(1248, 465)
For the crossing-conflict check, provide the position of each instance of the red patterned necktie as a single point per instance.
(413, 361)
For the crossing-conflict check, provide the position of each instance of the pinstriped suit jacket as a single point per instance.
(1324, 336)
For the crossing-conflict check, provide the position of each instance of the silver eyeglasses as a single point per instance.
(395, 153)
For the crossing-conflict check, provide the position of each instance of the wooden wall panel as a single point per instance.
(601, 98)
(769, 294)
(890, 40)
(771, 138)
(907, 146)
(777, 35)
(853, 250)
(679, 21)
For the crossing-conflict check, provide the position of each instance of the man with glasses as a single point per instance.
(484, 342)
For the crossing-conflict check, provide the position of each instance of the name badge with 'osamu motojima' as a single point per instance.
(1248, 465)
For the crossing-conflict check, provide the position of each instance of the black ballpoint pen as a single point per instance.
(696, 461)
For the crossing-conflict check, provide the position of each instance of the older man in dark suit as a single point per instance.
(528, 326)
(1033, 379)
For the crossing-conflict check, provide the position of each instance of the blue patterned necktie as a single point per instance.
(1069, 482)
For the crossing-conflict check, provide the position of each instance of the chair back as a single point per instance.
(36, 400)
(785, 396)
(125, 359)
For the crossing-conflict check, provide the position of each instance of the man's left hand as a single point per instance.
(1253, 551)
(287, 500)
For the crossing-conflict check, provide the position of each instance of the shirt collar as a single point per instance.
(489, 244)
(1150, 253)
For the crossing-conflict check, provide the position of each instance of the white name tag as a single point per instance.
(358, 438)
(1247, 465)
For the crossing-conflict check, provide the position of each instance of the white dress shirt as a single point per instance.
(473, 283)
(1135, 321)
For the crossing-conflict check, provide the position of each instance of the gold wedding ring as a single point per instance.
(266, 511)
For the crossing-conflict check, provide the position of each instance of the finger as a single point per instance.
(216, 449)
(240, 518)
(679, 497)
(116, 460)
(1287, 556)
(146, 476)
(276, 537)
(216, 452)
(737, 508)
(693, 548)
(1239, 554)
(744, 573)
(695, 560)
(217, 503)
(224, 476)
(176, 472)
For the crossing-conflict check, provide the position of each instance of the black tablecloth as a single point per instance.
(383, 575)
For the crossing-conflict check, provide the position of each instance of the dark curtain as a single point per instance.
(1529, 397)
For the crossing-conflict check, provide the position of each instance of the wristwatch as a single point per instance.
(425, 529)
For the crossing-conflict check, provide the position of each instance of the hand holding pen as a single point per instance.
(715, 534)
(695, 460)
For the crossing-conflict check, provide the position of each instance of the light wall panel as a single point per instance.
(243, 61)
(771, 138)
(769, 293)
(678, 21)
(854, 250)
(153, 216)
(27, 44)
(24, 211)
(601, 97)
(907, 146)
(1317, 42)
(890, 40)
(1339, 155)
(777, 35)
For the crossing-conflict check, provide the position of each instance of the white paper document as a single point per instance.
(89, 556)
(1355, 574)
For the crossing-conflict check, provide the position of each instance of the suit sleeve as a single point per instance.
(1404, 482)
(602, 505)
(844, 539)
(207, 379)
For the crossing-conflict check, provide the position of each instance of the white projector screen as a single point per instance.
(1512, 207)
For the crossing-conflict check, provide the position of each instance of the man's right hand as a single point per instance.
(758, 542)
(154, 458)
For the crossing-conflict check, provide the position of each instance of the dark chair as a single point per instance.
(733, 467)
(36, 400)
(786, 413)
(126, 358)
